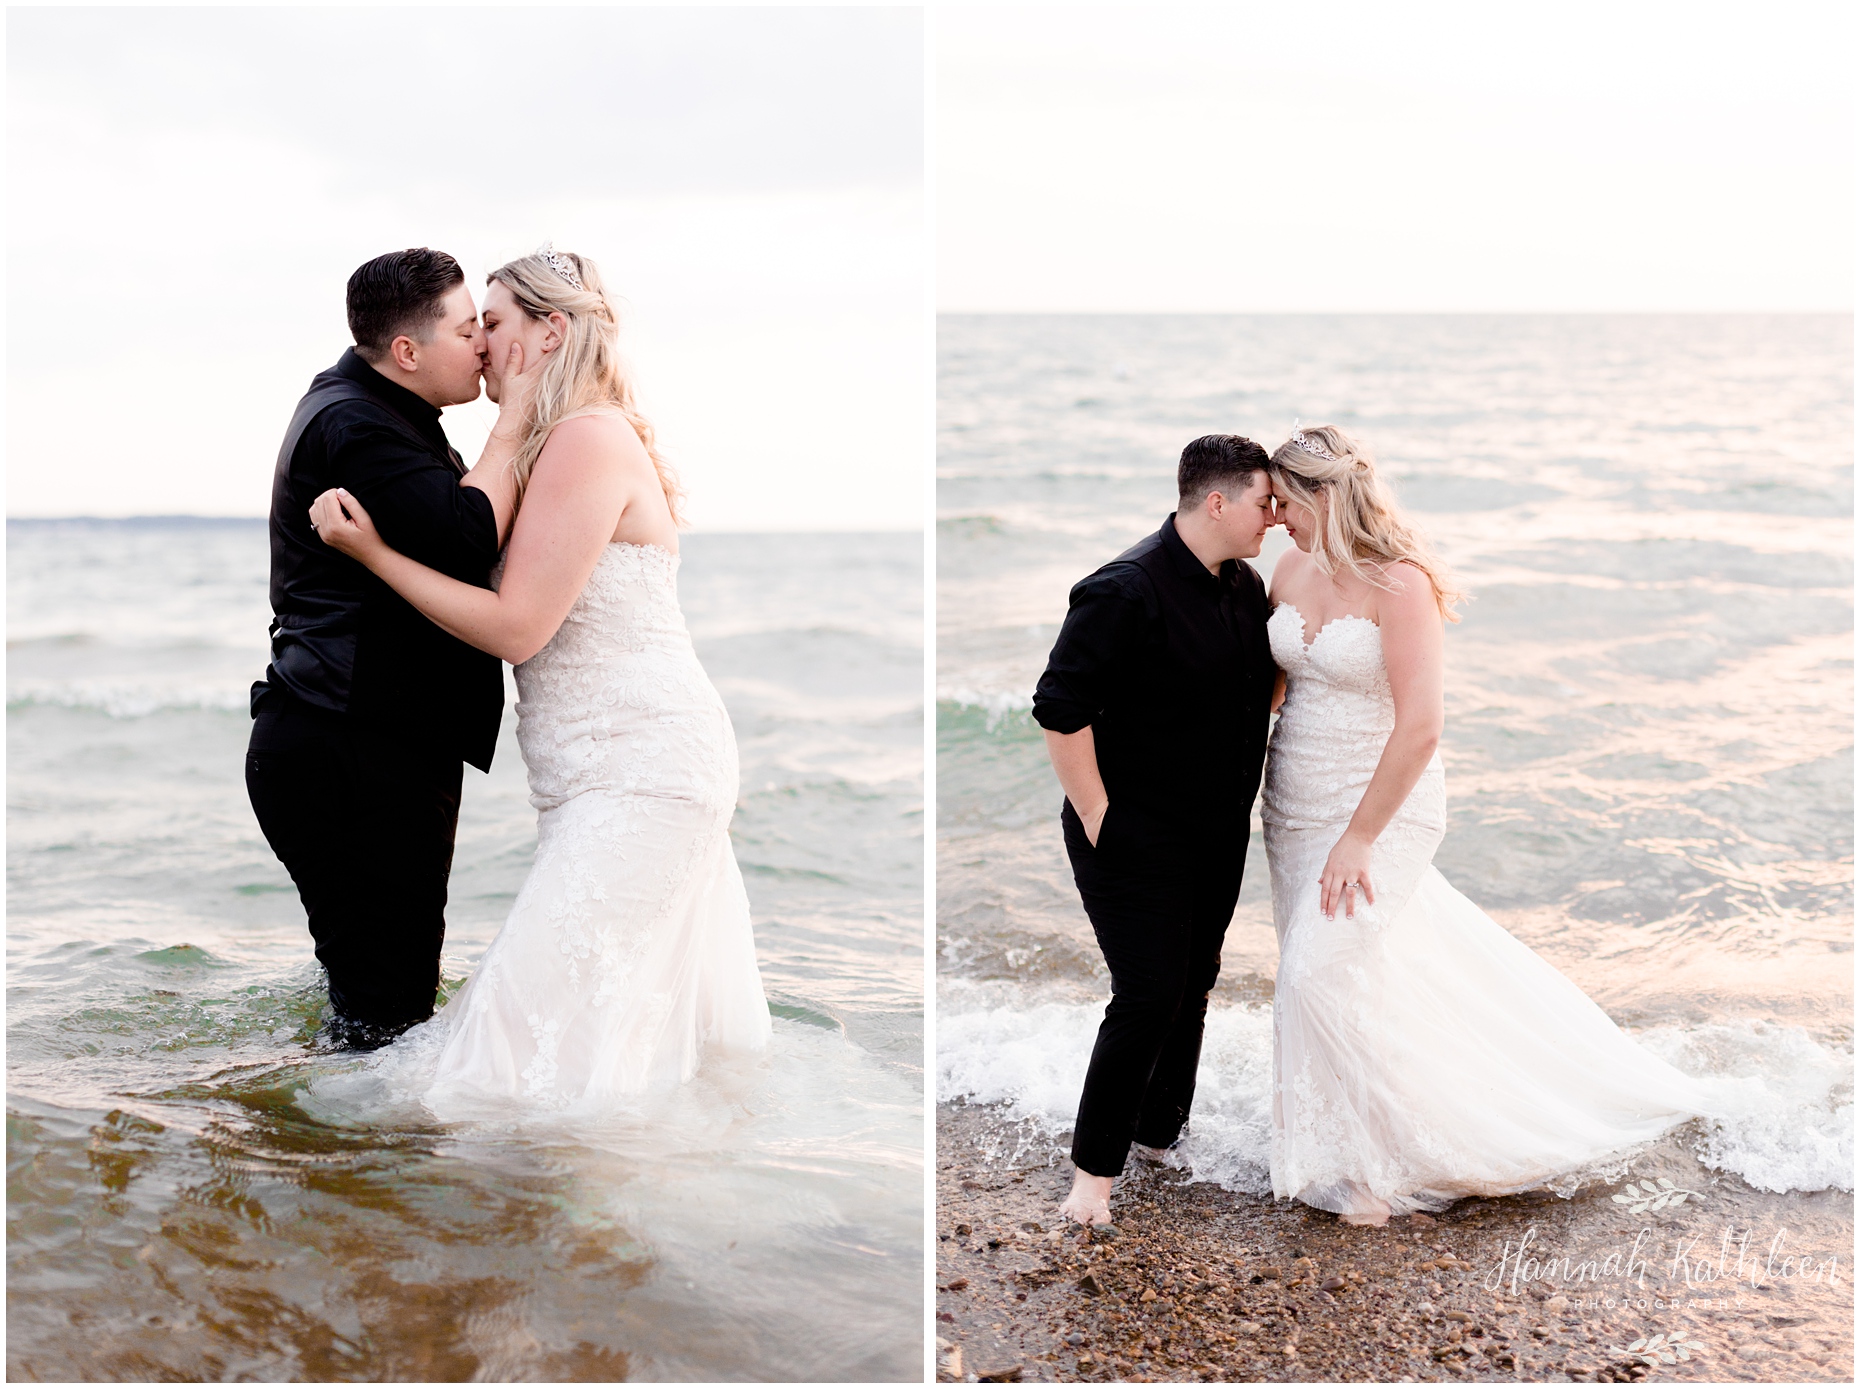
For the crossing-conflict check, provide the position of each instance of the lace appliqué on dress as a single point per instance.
(1420, 1052)
(629, 944)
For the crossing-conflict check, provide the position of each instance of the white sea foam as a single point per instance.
(132, 698)
(995, 705)
(1794, 1133)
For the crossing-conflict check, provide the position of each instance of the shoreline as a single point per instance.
(1195, 1283)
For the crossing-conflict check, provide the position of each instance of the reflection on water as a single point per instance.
(196, 1192)
(207, 1236)
(263, 1242)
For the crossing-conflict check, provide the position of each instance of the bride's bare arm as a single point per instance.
(491, 473)
(1412, 649)
(491, 476)
(575, 496)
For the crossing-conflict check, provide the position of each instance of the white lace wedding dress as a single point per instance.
(1420, 1052)
(629, 946)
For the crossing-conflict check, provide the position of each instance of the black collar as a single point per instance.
(403, 402)
(1191, 569)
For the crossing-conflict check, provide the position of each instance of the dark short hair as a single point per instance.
(1224, 463)
(401, 292)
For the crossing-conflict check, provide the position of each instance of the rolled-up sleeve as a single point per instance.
(415, 500)
(1102, 633)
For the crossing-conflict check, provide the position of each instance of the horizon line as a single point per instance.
(170, 518)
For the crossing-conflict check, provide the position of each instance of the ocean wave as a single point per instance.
(971, 527)
(995, 707)
(128, 699)
(1031, 1060)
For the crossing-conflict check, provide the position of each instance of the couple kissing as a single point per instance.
(400, 579)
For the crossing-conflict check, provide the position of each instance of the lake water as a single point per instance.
(1649, 739)
(178, 1209)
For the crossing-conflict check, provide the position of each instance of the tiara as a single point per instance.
(1311, 445)
(561, 264)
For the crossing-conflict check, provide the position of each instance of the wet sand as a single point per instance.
(1194, 1283)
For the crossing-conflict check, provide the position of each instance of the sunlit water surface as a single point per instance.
(180, 1206)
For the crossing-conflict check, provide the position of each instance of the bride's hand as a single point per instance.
(516, 388)
(1346, 872)
(340, 523)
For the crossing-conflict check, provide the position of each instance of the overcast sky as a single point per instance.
(1320, 156)
(189, 189)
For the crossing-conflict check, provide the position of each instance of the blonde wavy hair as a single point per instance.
(1360, 530)
(586, 372)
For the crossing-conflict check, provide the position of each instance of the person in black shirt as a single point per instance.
(367, 709)
(1155, 704)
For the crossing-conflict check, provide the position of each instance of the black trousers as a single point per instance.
(1160, 913)
(364, 821)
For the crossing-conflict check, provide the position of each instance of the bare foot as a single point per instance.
(1368, 1217)
(1090, 1201)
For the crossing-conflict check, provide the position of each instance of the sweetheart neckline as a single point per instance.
(645, 545)
(1304, 624)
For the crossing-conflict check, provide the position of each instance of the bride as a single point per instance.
(1420, 1053)
(629, 945)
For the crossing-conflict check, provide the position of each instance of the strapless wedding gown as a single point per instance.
(1420, 1052)
(629, 947)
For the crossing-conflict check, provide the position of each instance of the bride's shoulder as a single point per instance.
(1407, 591)
(594, 423)
(1408, 579)
(596, 436)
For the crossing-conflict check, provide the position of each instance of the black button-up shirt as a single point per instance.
(343, 640)
(1170, 667)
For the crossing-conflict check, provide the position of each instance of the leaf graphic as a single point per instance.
(1694, 1345)
(1679, 1198)
(1649, 1187)
(1659, 1205)
(1636, 1345)
(1666, 1181)
(1668, 1359)
(1622, 1199)
(1680, 1350)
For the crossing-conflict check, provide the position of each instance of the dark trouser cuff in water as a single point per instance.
(356, 1034)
